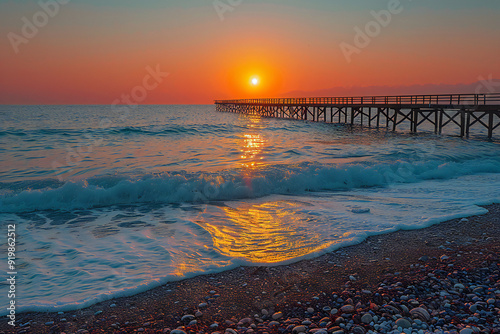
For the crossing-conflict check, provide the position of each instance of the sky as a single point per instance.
(195, 51)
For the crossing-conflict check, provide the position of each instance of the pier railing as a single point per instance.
(462, 110)
(443, 99)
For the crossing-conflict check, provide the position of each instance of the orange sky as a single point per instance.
(94, 52)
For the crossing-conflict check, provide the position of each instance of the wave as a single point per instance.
(232, 185)
(167, 129)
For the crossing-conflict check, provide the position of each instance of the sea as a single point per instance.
(109, 202)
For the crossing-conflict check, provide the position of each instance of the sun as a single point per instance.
(254, 81)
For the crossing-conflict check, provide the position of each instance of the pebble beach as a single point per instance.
(441, 279)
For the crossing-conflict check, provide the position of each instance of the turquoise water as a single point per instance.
(109, 203)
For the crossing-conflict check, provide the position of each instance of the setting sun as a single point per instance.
(255, 81)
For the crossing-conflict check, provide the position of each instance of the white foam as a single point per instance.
(225, 185)
(123, 251)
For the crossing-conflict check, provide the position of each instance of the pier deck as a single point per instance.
(462, 110)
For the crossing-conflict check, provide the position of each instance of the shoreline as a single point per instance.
(246, 291)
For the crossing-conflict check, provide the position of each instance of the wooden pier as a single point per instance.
(463, 110)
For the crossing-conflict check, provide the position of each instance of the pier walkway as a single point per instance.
(463, 110)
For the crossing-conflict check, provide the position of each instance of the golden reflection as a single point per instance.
(252, 146)
(266, 233)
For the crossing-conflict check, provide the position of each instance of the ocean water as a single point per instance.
(112, 202)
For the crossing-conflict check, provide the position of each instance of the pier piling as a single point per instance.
(462, 110)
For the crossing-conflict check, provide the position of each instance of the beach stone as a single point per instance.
(274, 323)
(366, 318)
(177, 331)
(403, 323)
(299, 329)
(318, 331)
(491, 301)
(98, 312)
(198, 314)
(264, 311)
(444, 257)
(202, 305)
(277, 315)
(347, 309)
(358, 330)
(334, 311)
(49, 323)
(420, 313)
(310, 310)
(230, 331)
(187, 317)
(466, 331)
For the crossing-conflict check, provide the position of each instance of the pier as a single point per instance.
(466, 111)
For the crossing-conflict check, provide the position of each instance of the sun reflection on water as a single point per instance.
(252, 145)
(270, 232)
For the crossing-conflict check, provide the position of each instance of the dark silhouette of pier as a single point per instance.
(463, 110)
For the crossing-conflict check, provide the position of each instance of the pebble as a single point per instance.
(299, 329)
(277, 315)
(466, 331)
(310, 310)
(420, 313)
(366, 318)
(187, 317)
(347, 309)
(403, 323)
(358, 330)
